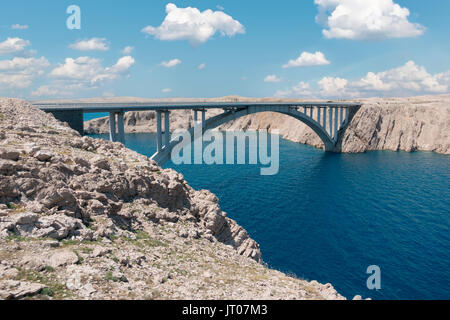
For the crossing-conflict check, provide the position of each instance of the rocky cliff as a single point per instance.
(409, 124)
(82, 218)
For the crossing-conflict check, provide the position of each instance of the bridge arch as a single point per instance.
(163, 156)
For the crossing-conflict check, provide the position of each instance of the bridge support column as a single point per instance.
(121, 127)
(195, 117)
(341, 117)
(324, 122)
(319, 109)
(112, 127)
(203, 119)
(336, 123)
(311, 112)
(330, 121)
(347, 114)
(158, 131)
(166, 129)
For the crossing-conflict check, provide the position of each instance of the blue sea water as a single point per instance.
(327, 217)
(91, 116)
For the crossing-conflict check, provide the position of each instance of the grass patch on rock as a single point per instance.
(19, 238)
(69, 243)
(80, 258)
(49, 269)
(54, 288)
(143, 239)
(110, 277)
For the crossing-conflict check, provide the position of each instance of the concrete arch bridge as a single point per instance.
(325, 119)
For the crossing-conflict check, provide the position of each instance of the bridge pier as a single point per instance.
(121, 127)
(158, 131)
(116, 127)
(195, 117)
(166, 128)
(330, 122)
(203, 119)
(336, 124)
(112, 127)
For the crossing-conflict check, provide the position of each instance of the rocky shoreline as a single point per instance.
(82, 218)
(395, 124)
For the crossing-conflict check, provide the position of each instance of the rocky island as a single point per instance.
(82, 218)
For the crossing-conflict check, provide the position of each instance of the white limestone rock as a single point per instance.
(13, 290)
(44, 155)
(62, 258)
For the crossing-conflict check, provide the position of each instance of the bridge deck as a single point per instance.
(126, 107)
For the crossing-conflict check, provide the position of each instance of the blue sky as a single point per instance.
(355, 48)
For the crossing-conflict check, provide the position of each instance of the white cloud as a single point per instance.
(407, 80)
(195, 26)
(20, 72)
(60, 89)
(373, 82)
(83, 73)
(272, 78)
(127, 50)
(90, 71)
(201, 66)
(94, 44)
(122, 65)
(83, 68)
(443, 78)
(19, 27)
(24, 64)
(17, 81)
(13, 46)
(171, 63)
(365, 19)
(308, 59)
(302, 89)
(51, 91)
(327, 87)
(166, 90)
(333, 87)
